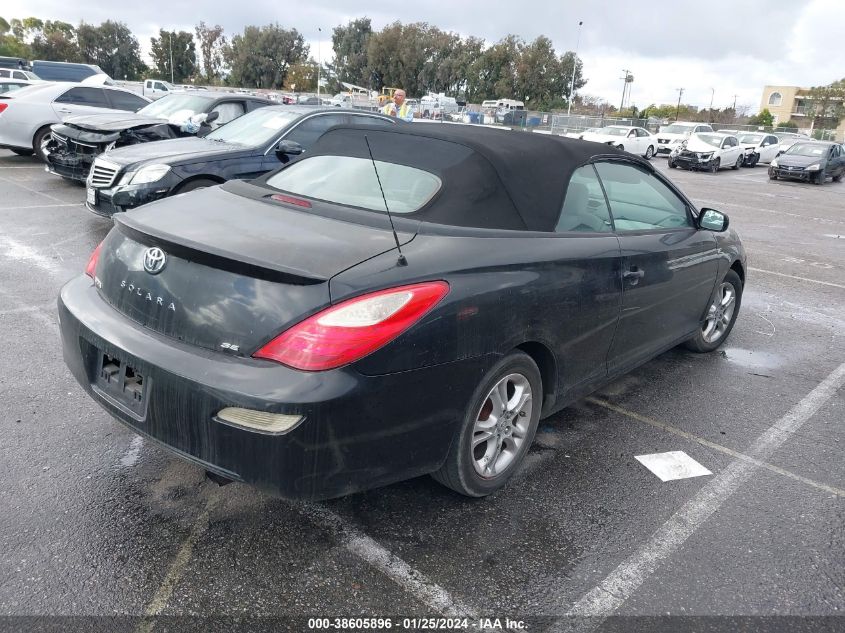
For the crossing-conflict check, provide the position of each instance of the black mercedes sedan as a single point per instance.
(399, 301)
(72, 146)
(254, 144)
(811, 161)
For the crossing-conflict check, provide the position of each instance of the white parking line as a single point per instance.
(814, 281)
(600, 602)
(40, 193)
(15, 251)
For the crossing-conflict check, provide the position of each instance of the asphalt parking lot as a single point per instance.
(96, 521)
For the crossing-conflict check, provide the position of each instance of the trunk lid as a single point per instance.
(238, 270)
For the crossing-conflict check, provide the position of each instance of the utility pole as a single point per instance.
(319, 63)
(735, 96)
(678, 109)
(710, 114)
(574, 67)
(171, 57)
(627, 79)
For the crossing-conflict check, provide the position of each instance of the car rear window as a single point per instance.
(353, 182)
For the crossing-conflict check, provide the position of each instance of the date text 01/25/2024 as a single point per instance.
(414, 624)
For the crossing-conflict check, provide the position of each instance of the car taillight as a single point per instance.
(3, 107)
(92, 261)
(350, 330)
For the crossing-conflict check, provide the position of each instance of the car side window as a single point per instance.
(307, 132)
(121, 100)
(585, 207)
(641, 132)
(639, 201)
(229, 111)
(93, 97)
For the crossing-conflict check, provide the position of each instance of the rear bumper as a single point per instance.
(357, 431)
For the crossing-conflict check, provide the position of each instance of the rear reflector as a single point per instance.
(91, 268)
(3, 106)
(299, 202)
(350, 330)
(260, 421)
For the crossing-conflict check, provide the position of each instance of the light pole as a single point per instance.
(678, 109)
(574, 67)
(319, 63)
(171, 57)
(712, 92)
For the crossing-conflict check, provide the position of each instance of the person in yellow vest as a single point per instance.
(398, 107)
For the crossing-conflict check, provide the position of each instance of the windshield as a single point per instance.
(352, 182)
(710, 139)
(751, 138)
(167, 106)
(614, 131)
(806, 149)
(678, 129)
(256, 128)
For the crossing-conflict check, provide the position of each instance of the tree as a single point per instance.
(493, 74)
(790, 126)
(764, 118)
(826, 104)
(10, 45)
(350, 51)
(262, 56)
(112, 47)
(212, 42)
(56, 42)
(302, 77)
(177, 49)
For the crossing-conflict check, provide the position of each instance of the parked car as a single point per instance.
(759, 147)
(273, 332)
(581, 135)
(671, 136)
(258, 142)
(788, 139)
(75, 143)
(12, 73)
(27, 114)
(813, 161)
(636, 140)
(709, 152)
(311, 101)
(10, 85)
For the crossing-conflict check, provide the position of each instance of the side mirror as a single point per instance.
(780, 152)
(713, 220)
(212, 117)
(288, 148)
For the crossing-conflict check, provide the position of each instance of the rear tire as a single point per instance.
(38, 140)
(838, 178)
(21, 152)
(721, 316)
(497, 430)
(193, 185)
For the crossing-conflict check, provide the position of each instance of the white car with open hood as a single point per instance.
(636, 140)
(671, 136)
(708, 151)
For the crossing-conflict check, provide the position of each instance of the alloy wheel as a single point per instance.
(501, 425)
(720, 313)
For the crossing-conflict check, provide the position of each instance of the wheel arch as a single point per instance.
(739, 270)
(187, 181)
(548, 366)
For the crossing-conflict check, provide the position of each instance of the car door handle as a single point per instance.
(634, 274)
(65, 111)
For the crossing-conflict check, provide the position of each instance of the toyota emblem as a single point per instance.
(154, 260)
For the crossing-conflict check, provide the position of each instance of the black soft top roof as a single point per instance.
(491, 178)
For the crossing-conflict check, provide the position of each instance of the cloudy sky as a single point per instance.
(733, 47)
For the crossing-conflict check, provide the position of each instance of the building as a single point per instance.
(792, 102)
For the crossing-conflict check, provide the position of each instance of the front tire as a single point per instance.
(671, 164)
(716, 165)
(497, 429)
(649, 153)
(820, 178)
(720, 317)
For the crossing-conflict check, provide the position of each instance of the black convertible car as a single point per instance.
(73, 145)
(256, 143)
(290, 333)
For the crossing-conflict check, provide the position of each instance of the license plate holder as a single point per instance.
(122, 383)
(91, 196)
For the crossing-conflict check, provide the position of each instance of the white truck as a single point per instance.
(436, 106)
(156, 88)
